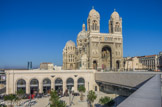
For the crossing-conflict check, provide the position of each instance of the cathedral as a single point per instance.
(95, 50)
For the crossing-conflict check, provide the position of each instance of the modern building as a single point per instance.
(29, 65)
(96, 50)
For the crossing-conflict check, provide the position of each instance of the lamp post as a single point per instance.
(69, 98)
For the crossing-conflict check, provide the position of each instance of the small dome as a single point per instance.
(93, 12)
(70, 43)
(115, 15)
(82, 34)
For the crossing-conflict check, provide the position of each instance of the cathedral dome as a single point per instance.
(93, 12)
(82, 35)
(115, 15)
(70, 43)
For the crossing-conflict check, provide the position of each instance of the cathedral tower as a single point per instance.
(115, 23)
(93, 21)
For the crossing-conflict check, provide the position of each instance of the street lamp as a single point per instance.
(69, 98)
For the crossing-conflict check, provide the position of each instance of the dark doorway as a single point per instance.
(34, 86)
(106, 56)
(46, 85)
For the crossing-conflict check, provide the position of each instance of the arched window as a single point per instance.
(34, 86)
(81, 82)
(94, 25)
(46, 85)
(111, 27)
(117, 65)
(117, 27)
(21, 84)
(58, 85)
(70, 83)
(94, 64)
(89, 24)
(34, 82)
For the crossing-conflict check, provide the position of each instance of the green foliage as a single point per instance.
(81, 88)
(91, 97)
(106, 101)
(20, 93)
(55, 102)
(11, 97)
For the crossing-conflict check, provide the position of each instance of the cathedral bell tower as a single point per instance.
(93, 21)
(115, 23)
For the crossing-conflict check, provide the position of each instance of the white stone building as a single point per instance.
(132, 64)
(96, 50)
(42, 81)
(148, 62)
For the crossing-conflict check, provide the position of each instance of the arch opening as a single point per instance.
(94, 64)
(34, 86)
(59, 85)
(117, 65)
(46, 86)
(94, 25)
(106, 56)
(21, 85)
(69, 83)
(81, 82)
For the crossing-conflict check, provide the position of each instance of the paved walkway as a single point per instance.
(43, 102)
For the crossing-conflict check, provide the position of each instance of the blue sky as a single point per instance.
(37, 30)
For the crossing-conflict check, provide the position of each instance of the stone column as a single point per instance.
(75, 86)
(40, 87)
(64, 86)
(52, 85)
(27, 88)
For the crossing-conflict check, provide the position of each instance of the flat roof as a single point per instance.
(148, 95)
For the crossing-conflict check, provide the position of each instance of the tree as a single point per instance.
(82, 90)
(20, 94)
(106, 101)
(91, 97)
(11, 98)
(55, 101)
